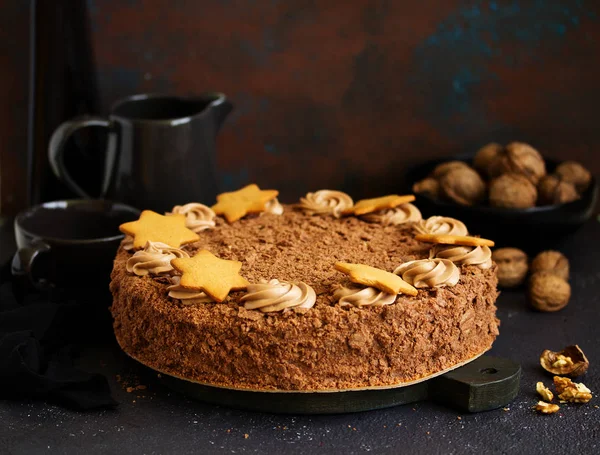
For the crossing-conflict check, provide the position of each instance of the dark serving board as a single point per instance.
(483, 384)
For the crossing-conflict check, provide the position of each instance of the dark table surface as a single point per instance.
(156, 420)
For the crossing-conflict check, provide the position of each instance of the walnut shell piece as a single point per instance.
(571, 362)
(512, 266)
(428, 187)
(548, 292)
(519, 158)
(553, 190)
(575, 173)
(485, 156)
(551, 261)
(463, 185)
(512, 191)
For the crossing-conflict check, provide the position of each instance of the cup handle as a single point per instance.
(23, 261)
(56, 149)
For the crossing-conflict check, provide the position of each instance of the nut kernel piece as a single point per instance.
(544, 391)
(546, 408)
(512, 266)
(572, 392)
(548, 292)
(551, 261)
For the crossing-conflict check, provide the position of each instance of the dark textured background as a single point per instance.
(342, 94)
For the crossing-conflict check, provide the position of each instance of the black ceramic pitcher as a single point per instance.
(160, 150)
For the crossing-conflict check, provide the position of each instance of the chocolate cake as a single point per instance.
(330, 344)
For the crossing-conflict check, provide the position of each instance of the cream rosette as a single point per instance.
(198, 217)
(404, 213)
(187, 296)
(429, 273)
(279, 296)
(441, 225)
(325, 202)
(480, 256)
(360, 297)
(154, 259)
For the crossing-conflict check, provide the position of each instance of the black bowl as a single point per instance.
(532, 229)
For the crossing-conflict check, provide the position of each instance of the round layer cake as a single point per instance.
(329, 346)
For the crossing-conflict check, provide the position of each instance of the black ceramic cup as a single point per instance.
(160, 150)
(69, 244)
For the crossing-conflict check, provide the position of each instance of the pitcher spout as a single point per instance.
(219, 109)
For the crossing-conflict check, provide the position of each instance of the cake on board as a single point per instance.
(323, 295)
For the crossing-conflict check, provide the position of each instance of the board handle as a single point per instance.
(484, 384)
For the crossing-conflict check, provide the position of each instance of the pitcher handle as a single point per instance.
(56, 149)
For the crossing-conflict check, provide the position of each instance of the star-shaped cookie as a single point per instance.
(208, 273)
(237, 204)
(377, 278)
(365, 206)
(159, 228)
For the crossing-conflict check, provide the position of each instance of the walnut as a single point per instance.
(553, 262)
(553, 190)
(544, 391)
(546, 408)
(463, 185)
(575, 173)
(548, 292)
(443, 168)
(519, 158)
(485, 156)
(512, 191)
(571, 361)
(512, 266)
(570, 391)
(428, 186)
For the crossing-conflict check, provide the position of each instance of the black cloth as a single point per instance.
(38, 331)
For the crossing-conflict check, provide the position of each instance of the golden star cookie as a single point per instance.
(238, 204)
(365, 206)
(206, 272)
(377, 278)
(447, 239)
(159, 228)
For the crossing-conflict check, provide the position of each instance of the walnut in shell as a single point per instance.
(512, 266)
(485, 156)
(443, 168)
(463, 185)
(548, 292)
(571, 362)
(553, 262)
(512, 191)
(575, 173)
(519, 158)
(553, 190)
(428, 186)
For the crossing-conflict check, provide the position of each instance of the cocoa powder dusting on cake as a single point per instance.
(326, 347)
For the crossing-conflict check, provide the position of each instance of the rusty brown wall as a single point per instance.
(347, 94)
(14, 64)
